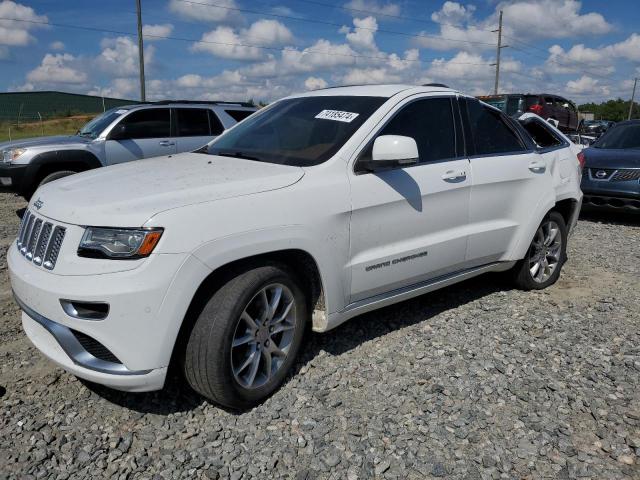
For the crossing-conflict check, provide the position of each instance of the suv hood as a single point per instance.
(44, 141)
(129, 194)
(612, 158)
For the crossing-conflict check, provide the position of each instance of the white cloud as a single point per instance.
(155, 32)
(409, 60)
(57, 68)
(373, 6)
(16, 33)
(118, 88)
(315, 83)
(362, 36)
(205, 13)
(365, 76)
(470, 72)
(56, 45)
(322, 54)
(586, 85)
(552, 19)
(628, 49)
(584, 59)
(226, 43)
(522, 20)
(119, 57)
(453, 12)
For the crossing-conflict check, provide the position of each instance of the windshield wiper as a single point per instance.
(238, 155)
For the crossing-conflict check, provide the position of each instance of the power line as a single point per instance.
(333, 24)
(229, 44)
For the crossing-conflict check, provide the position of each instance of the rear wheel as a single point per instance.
(247, 337)
(546, 255)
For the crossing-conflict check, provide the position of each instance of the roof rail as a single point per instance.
(435, 85)
(203, 102)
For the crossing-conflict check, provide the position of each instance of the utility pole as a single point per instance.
(499, 48)
(140, 52)
(633, 95)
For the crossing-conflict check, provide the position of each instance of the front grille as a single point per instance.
(39, 240)
(626, 174)
(95, 348)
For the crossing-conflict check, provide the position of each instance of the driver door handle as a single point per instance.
(454, 175)
(167, 143)
(538, 166)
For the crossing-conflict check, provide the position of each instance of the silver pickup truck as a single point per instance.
(119, 135)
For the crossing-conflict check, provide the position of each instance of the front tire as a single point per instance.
(545, 257)
(247, 337)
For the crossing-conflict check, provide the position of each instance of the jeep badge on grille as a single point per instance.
(38, 203)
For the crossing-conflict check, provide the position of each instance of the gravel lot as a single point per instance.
(475, 381)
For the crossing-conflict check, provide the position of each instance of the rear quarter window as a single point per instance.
(543, 137)
(239, 115)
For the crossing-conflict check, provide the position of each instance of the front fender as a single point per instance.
(222, 251)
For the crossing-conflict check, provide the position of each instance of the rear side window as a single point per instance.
(491, 133)
(541, 134)
(430, 123)
(148, 123)
(238, 115)
(193, 122)
(216, 125)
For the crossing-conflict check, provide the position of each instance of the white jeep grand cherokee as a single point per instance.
(318, 208)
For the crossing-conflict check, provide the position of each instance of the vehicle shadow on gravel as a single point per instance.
(177, 396)
(613, 217)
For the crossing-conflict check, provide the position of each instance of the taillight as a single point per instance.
(581, 160)
(537, 109)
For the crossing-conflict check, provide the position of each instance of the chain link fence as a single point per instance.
(29, 114)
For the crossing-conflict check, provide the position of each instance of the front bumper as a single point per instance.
(146, 308)
(624, 195)
(12, 177)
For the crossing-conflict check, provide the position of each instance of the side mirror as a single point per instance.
(553, 122)
(119, 132)
(392, 151)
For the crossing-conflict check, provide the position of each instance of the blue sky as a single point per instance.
(265, 49)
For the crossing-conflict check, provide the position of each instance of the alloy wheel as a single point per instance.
(545, 252)
(263, 336)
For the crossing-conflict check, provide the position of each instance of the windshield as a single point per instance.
(300, 131)
(95, 127)
(620, 137)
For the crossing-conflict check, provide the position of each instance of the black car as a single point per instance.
(611, 177)
(596, 127)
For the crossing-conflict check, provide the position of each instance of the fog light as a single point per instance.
(5, 181)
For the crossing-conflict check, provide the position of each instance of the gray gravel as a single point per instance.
(476, 381)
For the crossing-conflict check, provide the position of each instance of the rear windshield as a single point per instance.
(239, 115)
(301, 131)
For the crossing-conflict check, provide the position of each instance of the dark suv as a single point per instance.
(546, 105)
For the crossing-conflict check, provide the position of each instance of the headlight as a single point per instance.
(123, 243)
(9, 156)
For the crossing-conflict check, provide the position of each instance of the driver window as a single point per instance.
(147, 123)
(430, 123)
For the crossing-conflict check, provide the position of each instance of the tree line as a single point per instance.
(615, 110)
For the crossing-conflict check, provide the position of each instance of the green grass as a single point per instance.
(56, 126)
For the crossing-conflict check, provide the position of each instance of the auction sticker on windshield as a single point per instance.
(337, 115)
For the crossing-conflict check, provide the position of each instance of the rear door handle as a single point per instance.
(454, 175)
(167, 143)
(538, 166)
